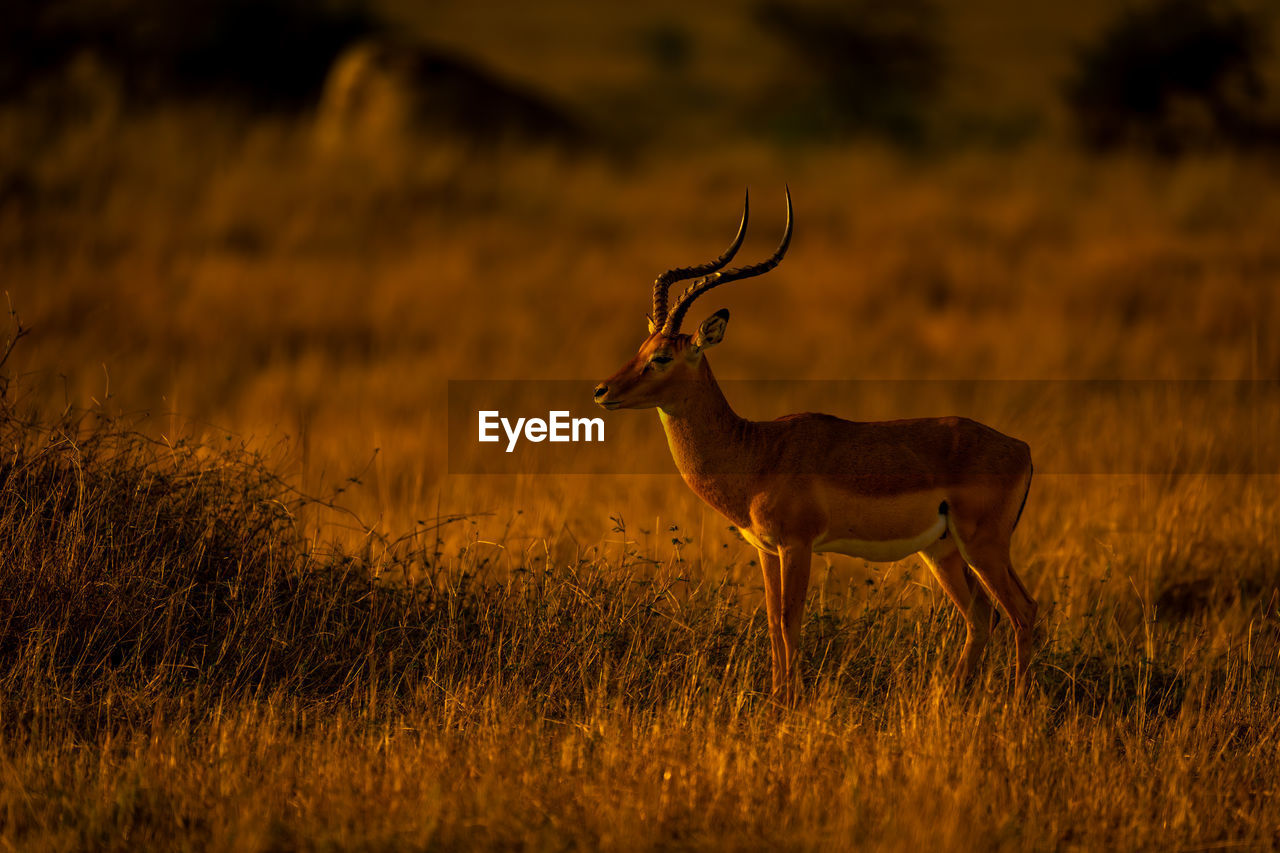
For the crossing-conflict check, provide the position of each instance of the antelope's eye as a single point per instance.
(660, 359)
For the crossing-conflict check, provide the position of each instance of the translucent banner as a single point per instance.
(1073, 427)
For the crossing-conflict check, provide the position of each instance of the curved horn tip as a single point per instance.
(786, 233)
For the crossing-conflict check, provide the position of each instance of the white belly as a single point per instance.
(884, 550)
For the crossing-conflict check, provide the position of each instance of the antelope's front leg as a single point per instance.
(772, 569)
(795, 584)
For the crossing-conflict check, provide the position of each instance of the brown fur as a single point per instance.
(812, 479)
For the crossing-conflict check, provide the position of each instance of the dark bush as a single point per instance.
(134, 569)
(383, 87)
(1172, 75)
(265, 54)
(873, 68)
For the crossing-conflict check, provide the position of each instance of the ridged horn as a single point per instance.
(662, 284)
(672, 321)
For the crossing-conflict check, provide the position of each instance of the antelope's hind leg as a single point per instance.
(990, 560)
(961, 586)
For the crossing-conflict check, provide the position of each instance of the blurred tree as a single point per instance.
(669, 47)
(873, 68)
(1173, 75)
(265, 54)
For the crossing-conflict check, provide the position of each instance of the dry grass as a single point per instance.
(182, 671)
(197, 656)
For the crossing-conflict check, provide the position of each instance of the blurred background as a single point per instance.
(290, 222)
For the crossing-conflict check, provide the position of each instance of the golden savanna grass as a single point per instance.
(199, 656)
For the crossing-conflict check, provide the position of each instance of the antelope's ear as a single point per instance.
(711, 332)
(653, 327)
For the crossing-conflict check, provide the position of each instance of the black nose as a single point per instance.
(601, 390)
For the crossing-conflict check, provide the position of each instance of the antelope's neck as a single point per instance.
(704, 433)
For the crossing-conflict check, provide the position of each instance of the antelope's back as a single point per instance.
(892, 457)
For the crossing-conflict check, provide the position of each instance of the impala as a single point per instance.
(949, 488)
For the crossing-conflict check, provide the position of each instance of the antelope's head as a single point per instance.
(667, 358)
